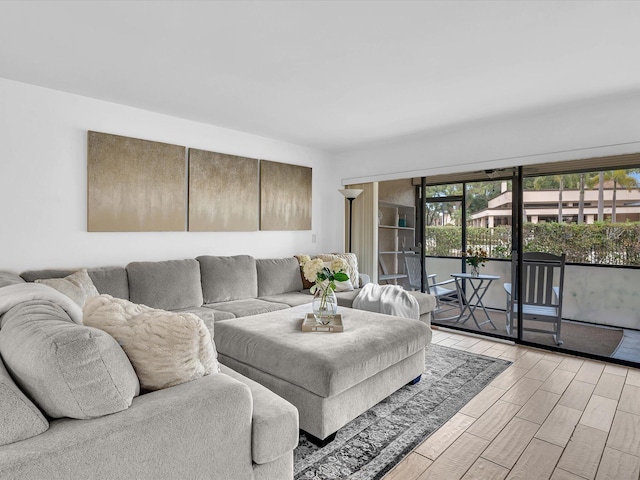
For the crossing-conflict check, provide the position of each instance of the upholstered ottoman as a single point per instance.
(330, 377)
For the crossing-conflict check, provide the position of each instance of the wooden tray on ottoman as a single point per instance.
(334, 326)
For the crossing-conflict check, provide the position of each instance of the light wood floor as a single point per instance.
(547, 416)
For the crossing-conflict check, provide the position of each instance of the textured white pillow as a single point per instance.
(78, 286)
(165, 348)
(352, 265)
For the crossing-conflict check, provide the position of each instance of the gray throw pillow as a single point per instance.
(68, 370)
(19, 417)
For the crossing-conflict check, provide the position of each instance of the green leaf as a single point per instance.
(341, 277)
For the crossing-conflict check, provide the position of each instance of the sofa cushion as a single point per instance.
(274, 425)
(8, 278)
(228, 278)
(165, 348)
(292, 299)
(168, 285)
(426, 301)
(33, 275)
(111, 281)
(68, 370)
(278, 275)
(19, 417)
(248, 307)
(345, 299)
(78, 286)
(219, 315)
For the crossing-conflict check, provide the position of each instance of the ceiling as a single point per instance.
(333, 75)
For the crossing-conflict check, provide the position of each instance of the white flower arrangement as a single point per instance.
(324, 277)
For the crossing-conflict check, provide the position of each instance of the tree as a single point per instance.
(480, 193)
(581, 201)
(620, 178)
(552, 182)
(436, 210)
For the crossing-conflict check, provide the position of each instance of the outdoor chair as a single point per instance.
(446, 298)
(542, 300)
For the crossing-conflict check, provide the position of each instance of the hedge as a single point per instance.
(598, 243)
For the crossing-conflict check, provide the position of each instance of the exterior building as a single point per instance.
(543, 206)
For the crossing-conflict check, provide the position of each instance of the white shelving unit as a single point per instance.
(396, 234)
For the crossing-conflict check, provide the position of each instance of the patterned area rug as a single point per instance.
(371, 445)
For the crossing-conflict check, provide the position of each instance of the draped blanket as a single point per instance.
(388, 299)
(13, 295)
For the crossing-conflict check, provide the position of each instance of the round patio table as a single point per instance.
(471, 301)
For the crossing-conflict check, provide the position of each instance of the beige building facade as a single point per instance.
(543, 206)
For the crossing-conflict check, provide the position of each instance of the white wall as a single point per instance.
(604, 126)
(43, 168)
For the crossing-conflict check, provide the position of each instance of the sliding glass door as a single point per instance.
(588, 222)
(462, 239)
(558, 256)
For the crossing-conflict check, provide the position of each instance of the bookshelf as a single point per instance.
(396, 234)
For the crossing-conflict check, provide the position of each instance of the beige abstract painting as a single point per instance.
(135, 185)
(223, 192)
(285, 196)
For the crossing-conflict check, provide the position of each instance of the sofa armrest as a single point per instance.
(275, 422)
(179, 432)
(364, 279)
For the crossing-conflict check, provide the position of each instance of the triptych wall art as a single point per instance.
(135, 185)
(143, 186)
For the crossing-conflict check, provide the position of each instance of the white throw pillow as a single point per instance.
(78, 286)
(165, 348)
(352, 265)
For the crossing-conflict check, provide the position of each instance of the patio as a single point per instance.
(606, 341)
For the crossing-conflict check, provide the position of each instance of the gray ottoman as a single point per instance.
(330, 377)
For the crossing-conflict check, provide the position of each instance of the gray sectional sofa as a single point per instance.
(221, 426)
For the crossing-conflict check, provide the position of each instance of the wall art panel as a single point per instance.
(223, 192)
(135, 185)
(285, 196)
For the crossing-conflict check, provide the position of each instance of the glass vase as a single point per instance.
(475, 270)
(325, 305)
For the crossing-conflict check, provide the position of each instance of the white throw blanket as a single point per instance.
(13, 295)
(388, 299)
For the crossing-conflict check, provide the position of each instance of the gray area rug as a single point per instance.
(371, 445)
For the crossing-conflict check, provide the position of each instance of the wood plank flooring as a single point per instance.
(547, 416)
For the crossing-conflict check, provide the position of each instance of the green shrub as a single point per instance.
(598, 243)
